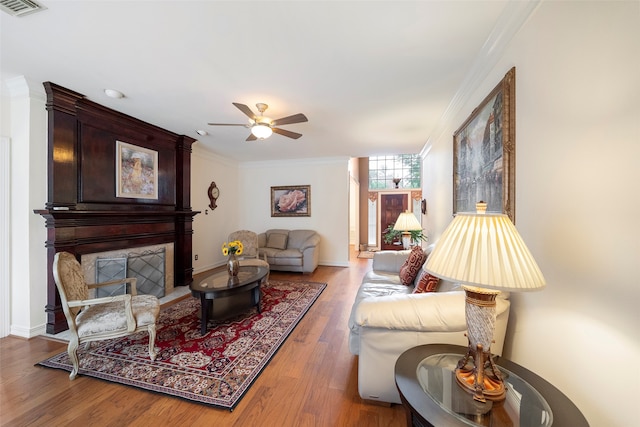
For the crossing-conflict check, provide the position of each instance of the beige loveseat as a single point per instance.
(388, 318)
(290, 250)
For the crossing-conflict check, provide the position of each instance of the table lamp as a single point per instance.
(485, 253)
(405, 223)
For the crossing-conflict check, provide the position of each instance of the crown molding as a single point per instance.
(22, 87)
(510, 21)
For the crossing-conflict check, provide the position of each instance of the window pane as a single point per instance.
(383, 169)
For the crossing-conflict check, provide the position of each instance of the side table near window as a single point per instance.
(431, 396)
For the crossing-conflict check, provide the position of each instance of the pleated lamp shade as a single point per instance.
(407, 222)
(485, 250)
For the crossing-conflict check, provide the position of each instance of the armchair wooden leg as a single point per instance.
(73, 355)
(152, 342)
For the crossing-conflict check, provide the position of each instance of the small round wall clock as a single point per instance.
(214, 193)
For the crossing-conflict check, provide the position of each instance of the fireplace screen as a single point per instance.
(110, 269)
(147, 267)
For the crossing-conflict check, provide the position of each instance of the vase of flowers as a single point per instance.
(232, 249)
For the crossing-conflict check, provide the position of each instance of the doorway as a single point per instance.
(391, 206)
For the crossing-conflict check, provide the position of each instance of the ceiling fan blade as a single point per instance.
(296, 118)
(246, 110)
(226, 124)
(251, 137)
(287, 133)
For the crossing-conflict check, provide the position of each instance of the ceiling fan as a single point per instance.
(262, 127)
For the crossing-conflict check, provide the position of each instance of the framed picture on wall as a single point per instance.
(136, 172)
(291, 200)
(484, 153)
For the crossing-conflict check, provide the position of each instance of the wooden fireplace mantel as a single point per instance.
(83, 214)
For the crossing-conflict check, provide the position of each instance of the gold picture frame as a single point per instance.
(484, 153)
(291, 200)
(136, 172)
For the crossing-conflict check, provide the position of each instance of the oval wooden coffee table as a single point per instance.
(221, 285)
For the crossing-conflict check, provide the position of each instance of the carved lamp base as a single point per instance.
(476, 371)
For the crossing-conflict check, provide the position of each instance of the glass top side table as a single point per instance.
(429, 391)
(436, 377)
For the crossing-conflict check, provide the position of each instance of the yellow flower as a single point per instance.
(234, 248)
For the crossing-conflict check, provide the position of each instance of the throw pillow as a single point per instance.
(427, 283)
(277, 241)
(412, 265)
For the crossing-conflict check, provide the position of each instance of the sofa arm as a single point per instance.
(389, 260)
(427, 312)
(311, 242)
(310, 259)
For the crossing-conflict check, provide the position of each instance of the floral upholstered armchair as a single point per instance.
(94, 319)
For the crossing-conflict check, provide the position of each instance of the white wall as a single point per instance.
(26, 118)
(329, 181)
(577, 145)
(245, 200)
(212, 227)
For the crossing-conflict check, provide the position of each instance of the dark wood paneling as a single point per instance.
(83, 214)
(62, 161)
(97, 168)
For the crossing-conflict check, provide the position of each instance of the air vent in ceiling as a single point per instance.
(20, 7)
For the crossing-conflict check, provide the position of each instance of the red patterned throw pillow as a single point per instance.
(427, 283)
(412, 265)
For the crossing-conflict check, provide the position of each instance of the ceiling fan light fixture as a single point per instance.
(261, 131)
(263, 127)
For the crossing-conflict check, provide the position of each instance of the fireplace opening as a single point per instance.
(147, 267)
(152, 266)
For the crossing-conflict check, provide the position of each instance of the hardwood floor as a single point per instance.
(311, 381)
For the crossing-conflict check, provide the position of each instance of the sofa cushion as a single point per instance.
(375, 276)
(277, 241)
(389, 260)
(297, 238)
(288, 257)
(412, 265)
(427, 283)
(374, 290)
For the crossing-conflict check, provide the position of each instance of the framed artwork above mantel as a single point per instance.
(136, 171)
(484, 153)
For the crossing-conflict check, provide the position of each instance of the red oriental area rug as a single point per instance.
(215, 369)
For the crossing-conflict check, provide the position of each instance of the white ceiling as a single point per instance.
(373, 77)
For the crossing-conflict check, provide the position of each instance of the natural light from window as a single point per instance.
(394, 171)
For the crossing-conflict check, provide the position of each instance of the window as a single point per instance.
(403, 168)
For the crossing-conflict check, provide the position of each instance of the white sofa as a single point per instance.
(290, 250)
(387, 318)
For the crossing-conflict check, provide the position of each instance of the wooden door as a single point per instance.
(391, 206)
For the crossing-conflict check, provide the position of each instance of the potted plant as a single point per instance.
(390, 235)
